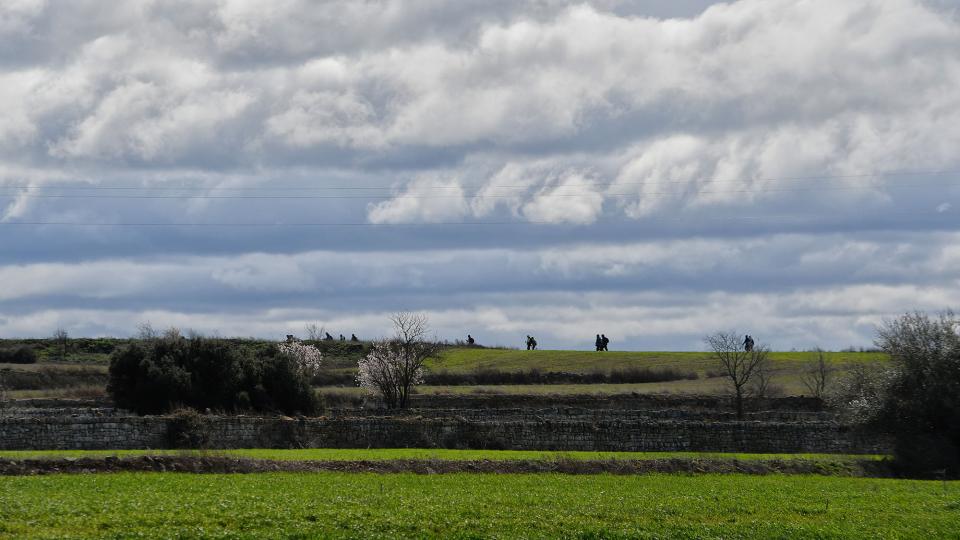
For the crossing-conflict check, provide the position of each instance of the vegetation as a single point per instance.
(454, 370)
(158, 375)
(52, 376)
(394, 366)
(470, 359)
(381, 454)
(818, 376)
(275, 505)
(918, 397)
(742, 367)
(20, 354)
(627, 375)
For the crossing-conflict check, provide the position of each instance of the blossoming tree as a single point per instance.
(394, 366)
(307, 358)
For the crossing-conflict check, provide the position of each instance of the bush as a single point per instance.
(155, 376)
(186, 429)
(630, 375)
(918, 400)
(18, 355)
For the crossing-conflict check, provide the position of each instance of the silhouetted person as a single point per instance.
(599, 343)
(747, 343)
(328, 337)
(353, 337)
(470, 340)
(605, 340)
(342, 338)
(291, 338)
(533, 343)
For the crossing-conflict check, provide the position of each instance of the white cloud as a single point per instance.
(541, 110)
(571, 199)
(427, 199)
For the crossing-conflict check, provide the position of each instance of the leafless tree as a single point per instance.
(4, 397)
(146, 331)
(314, 332)
(741, 367)
(761, 385)
(61, 339)
(394, 366)
(818, 375)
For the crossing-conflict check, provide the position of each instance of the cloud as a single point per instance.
(427, 199)
(571, 199)
(744, 154)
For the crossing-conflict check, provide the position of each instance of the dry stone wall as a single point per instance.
(521, 432)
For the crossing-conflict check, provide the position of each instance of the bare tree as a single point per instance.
(314, 332)
(738, 365)
(394, 366)
(4, 397)
(61, 339)
(146, 331)
(818, 375)
(761, 385)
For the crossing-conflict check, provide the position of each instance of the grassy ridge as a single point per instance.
(380, 454)
(787, 369)
(466, 359)
(282, 505)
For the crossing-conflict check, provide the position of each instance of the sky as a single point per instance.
(652, 170)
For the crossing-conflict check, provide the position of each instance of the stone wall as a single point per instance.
(520, 432)
(636, 401)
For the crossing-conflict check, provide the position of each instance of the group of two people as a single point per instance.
(602, 342)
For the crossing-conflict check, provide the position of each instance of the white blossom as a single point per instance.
(308, 358)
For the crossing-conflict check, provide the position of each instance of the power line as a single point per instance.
(459, 196)
(703, 181)
(637, 222)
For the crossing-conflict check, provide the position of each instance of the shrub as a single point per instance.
(920, 399)
(18, 355)
(486, 376)
(186, 429)
(152, 377)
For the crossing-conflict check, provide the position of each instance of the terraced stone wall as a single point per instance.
(603, 432)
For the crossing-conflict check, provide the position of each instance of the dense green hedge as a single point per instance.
(157, 376)
(18, 355)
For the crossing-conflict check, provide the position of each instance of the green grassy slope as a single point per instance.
(463, 359)
(285, 505)
(787, 369)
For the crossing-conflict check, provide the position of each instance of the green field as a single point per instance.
(380, 454)
(344, 505)
(467, 359)
(787, 369)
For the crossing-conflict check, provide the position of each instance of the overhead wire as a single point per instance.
(312, 187)
(768, 217)
(563, 192)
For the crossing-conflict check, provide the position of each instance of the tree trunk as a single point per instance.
(739, 400)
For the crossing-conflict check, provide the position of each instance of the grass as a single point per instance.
(382, 454)
(466, 359)
(787, 370)
(285, 505)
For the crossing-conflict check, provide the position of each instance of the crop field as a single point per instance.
(380, 454)
(360, 505)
